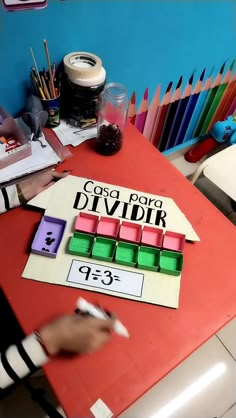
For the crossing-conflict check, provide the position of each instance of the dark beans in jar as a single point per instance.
(109, 140)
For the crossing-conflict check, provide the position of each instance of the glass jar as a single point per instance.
(112, 115)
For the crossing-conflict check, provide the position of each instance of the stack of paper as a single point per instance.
(70, 135)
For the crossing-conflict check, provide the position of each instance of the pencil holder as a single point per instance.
(52, 106)
(112, 114)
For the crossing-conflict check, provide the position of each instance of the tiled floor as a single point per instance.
(203, 386)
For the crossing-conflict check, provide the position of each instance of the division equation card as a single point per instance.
(103, 277)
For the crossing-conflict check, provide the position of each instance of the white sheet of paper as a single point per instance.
(40, 158)
(101, 410)
(101, 276)
(73, 135)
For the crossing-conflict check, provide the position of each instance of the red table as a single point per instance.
(161, 338)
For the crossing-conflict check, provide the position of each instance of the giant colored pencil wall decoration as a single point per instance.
(224, 103)
(189, 110)
(210, 97)
(132, 109)
(182, 104)
(152, 113)
(217, 99)
(198, 109)
(232, 108)
(160, 117)
(176, 119)
(170, 115)
(142, 113)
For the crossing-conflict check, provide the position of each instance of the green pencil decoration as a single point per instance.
(210, 97)
(217, 99)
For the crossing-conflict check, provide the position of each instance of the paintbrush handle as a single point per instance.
(49, 68)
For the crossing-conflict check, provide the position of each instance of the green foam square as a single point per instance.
(148, 258)
(103, 249)
(171, 262)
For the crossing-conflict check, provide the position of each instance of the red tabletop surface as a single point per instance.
(160, 337)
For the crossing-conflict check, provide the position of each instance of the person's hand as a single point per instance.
(34, 185)
(76, 334)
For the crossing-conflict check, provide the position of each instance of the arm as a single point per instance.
(20, 360)
(16, 195)
(8, 198)
(72, 333)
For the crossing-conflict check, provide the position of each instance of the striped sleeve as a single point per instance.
(20, 360)
(8, 198)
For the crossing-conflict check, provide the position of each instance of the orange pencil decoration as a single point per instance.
(160, 116)
(132, 109)
(142, 113)
(151, 115)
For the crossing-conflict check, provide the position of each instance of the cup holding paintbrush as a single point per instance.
(47, 88)
(52, 106)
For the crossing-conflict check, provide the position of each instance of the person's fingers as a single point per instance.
(47, 186)
(104, 324)
(57, 175)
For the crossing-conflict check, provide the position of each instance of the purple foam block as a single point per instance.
(48, 236)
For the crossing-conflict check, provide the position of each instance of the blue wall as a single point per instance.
(141, 42)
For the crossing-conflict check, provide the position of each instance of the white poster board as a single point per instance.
(74, 194)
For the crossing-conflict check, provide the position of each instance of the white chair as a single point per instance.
(216, 179)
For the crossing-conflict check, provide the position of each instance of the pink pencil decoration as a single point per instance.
(132, 109)
(161, 113)
(151, 115)
(142, 113)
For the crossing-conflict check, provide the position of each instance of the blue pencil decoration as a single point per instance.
(170, 116)
(189, 110)
(198, 108)
(182, 104)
